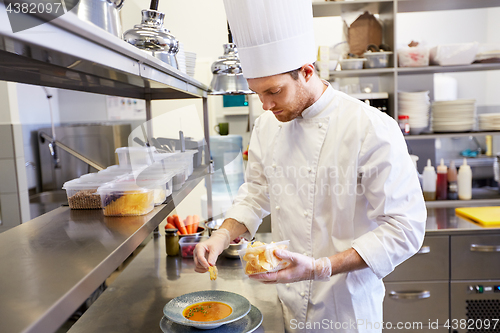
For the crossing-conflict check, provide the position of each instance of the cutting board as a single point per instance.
(487, 216)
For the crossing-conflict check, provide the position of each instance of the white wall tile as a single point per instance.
(24, 206)
(6, 146)
(8, 183)
(22, 181)
(11, 215)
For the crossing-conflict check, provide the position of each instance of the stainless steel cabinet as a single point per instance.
(417, 292)
(475, 257)
(429, 264)
(411, 302)
(475, 306)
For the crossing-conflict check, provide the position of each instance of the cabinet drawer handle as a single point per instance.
(424, 250)
(484, 248)
(410, 294)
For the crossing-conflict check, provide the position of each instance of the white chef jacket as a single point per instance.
(337, 177)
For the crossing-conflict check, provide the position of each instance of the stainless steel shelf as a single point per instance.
(69, 53)
(447, 69)
(448, 135)
(462, 203)
(51, 264)
(336, 8)
(405, 6)
(135, 301)
(361, 72)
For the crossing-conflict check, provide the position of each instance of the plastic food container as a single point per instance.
(354, 63)
(260, 259)
(377, 59)
(413, 57)
(125, 198)
(120, 170)
(453, 54)
(136, 155)
(81, 192)
(188, 243)
(158, 181)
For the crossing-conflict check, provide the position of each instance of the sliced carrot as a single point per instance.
(180, 225)
(190, 223)
(196, 221)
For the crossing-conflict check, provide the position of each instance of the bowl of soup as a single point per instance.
(207, 309)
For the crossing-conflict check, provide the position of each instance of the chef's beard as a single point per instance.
(296, 106)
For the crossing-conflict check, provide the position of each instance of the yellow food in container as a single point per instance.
(124, 198)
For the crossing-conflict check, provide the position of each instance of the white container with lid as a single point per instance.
(377, 59)
(160, 182)
(464, 181)
(136, 155)
(81, 192)
(123, 197)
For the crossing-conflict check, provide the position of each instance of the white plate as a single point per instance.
(173, 310)
(455, 102)
(247, 324)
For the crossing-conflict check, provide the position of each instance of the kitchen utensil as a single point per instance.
(247, 324)
(239, 304)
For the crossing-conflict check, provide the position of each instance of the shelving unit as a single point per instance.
(449, 135)
(390, 78)
(53, 263)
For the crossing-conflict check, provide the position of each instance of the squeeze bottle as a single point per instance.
(429, 186)
(442, 182)
(452, 182)
(464, 182)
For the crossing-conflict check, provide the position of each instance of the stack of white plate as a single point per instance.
(454, 116)
(190, 63)
(416, 106)
(489, 122)
(181, 58)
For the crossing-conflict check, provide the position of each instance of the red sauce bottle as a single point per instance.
(442, 182)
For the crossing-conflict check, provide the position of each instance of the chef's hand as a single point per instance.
(205, 253)
(301, 268)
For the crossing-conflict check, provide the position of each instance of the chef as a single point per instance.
(333, 172)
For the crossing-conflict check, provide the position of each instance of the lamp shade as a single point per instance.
(228, 76)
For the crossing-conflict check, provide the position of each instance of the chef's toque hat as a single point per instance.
(272, 36)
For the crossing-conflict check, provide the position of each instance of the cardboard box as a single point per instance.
(365, 30)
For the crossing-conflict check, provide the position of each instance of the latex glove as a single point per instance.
(301, 268)
(205, 253)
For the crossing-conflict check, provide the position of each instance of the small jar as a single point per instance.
(172, 242)
(404, 124)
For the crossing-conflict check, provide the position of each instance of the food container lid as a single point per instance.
(122, 185)
(353, 59)
(192, 240)
(88, 181)
(135, 149)
(369, 53)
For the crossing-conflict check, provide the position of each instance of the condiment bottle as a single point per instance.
(404, 124)
(464, 182)
(442, 182)
(172, 242)
(429, 186)
(452, 182)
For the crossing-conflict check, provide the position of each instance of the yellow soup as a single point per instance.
(207, 311)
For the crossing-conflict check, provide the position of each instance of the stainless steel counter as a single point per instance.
(51, 264)
(134, 302)
(443, 221)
